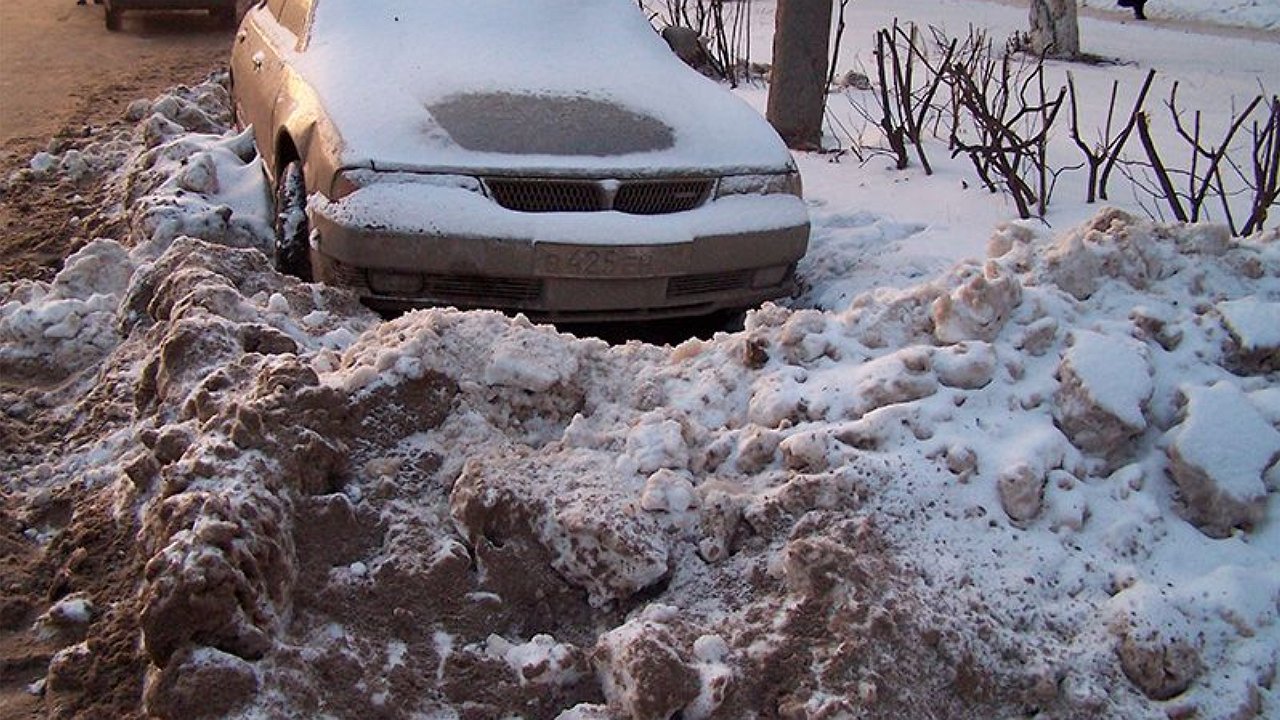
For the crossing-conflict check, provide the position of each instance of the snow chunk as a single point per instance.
(56, 329)
(1254, 326)
(69, 669)
(204, 186)
(541, 661)
(643, 673)
(657, 443)
(1268, 403)
(1105, 387)
(567, 507)
(203, 682)
(1025, 466)
(979, 308)
(586, 711)
(1112, 245)
(668, 491)
(1158, 646)
(847, 391)
(1218, 456)
(72, 611)
(532, 362)
(965, 365)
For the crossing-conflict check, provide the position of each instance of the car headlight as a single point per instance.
(761, 184)
(348, 181)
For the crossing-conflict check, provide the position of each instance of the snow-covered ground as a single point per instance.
(981, 468)
(1235, 13)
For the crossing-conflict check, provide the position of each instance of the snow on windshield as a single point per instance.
(381, 67)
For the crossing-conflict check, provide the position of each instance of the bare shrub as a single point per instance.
(1236, 176)
(1010, 113)
(1101, 157)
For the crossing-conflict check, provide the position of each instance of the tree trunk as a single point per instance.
(798, 88)
(1054, 29)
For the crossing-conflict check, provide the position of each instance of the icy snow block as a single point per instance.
(1021, 491)
(1025, 464)
(200, 683)
(965, 365)
(568, 509)
(1112, 245)
(1104, 387)
(1158, 647)
(642, 671)
(1218, 456)
(979, 308)
(1254, 327)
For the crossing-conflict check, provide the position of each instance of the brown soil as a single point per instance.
(64, 77)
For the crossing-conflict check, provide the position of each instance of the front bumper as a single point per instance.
(455, 248)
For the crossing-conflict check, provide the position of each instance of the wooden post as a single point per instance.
(798, 85)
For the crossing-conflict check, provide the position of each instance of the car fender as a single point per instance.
(302, 123)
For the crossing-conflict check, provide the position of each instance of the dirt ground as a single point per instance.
(63, 76)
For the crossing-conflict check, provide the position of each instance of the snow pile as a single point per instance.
(68, 324)
(999, 489)
(178, 175)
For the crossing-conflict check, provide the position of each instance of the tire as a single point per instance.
(292, 254)
(113, 18)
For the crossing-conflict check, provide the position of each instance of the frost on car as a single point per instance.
(551, 157)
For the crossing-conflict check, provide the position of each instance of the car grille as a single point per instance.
(482, 289)
(687, 285)
(461, 289)
(546, 196)
(634, 197)
(659, 197)
(345, 275)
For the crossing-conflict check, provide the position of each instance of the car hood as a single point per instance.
(522, 87)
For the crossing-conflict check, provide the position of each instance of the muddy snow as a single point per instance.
(1039, 484)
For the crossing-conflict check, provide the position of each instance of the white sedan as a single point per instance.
(551, 157)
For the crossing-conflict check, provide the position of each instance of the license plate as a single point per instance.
(593, 261)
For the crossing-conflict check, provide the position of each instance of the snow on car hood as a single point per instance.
(522, 86)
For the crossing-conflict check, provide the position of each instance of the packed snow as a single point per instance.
(979, 468)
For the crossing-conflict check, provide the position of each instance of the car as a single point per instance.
(224, 11)
(546, 157)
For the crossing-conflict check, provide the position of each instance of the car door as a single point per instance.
(273, 31)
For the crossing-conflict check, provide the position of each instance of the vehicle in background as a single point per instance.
(551, 157)
(223, 10)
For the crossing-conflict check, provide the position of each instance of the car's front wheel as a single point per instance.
(293, 242)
